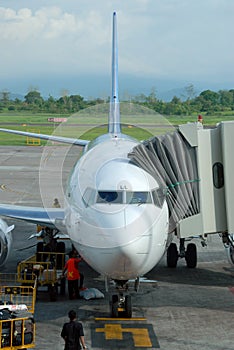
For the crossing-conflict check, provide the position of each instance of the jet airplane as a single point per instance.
(114, 212)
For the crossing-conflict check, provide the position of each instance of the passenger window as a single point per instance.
(109, 197)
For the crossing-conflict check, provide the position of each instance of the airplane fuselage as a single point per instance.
(114, 214)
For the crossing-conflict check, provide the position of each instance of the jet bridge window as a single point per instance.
(138, 197)
(110, 197)
(218, 175)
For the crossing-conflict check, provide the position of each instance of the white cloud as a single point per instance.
(23, 24)
(49, 36)
(172, 38)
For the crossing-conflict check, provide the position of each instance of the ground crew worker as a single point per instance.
(73, 333)
(56, 203)
(73, 275)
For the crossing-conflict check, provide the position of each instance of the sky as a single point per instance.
(60, 46)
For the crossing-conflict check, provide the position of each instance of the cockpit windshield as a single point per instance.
(91, 196)
(110, 197)
(138, 197)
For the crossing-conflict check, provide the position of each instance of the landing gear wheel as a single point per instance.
(172, 255)
(114, 306)
(191, 255)
(60, 249)
(40, 248)
(53, 292)
(128, 306)
(63, 286)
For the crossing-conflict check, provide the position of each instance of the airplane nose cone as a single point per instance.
(128, 243)
(119, 227)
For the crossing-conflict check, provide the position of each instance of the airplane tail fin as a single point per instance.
(114, 126)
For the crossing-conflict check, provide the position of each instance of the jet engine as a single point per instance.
(5, 241)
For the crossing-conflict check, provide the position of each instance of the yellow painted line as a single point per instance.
(8, 189)
(141, 336)
(120, 319)
(111, 331)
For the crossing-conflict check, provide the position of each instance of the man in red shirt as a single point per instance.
(73, 275)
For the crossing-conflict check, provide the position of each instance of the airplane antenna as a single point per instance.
(114, 115)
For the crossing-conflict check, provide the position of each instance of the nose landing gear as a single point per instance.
(121, 305)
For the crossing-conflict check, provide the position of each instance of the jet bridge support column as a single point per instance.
(227, 143)
(212, 215)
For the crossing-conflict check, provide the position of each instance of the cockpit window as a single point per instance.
(138, 197)
(92, 196)
(158, 197)
(89, 196)
(110, 197)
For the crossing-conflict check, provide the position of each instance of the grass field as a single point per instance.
(140, 123)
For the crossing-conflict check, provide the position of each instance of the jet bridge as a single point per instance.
(194, 168)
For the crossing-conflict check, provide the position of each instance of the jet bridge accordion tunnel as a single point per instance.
(194, 168)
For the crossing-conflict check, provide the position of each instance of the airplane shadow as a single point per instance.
(199, 276)
(202, 287)
(180, 287)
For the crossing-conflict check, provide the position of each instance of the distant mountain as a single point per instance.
(91, 86)
(168, 95)
(13, 96)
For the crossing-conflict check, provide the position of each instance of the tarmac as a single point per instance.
(179, 309)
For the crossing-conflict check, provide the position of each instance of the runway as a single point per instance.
(180, 309)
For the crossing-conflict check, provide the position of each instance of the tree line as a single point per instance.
(208, 102)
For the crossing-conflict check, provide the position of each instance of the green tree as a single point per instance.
(76, 102)
(51, 105)
(226, 98)
(33, 97)
(190, 92)
(5, 98)
(208, 101)
(232, 103)
(152, 98)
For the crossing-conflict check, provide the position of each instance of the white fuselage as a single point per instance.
(112, 213)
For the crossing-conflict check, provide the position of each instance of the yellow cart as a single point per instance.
(13, 293)
(17, 305)
(17, 333)
(46, 268)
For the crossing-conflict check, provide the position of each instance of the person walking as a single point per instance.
(73, 275)
(73, 333)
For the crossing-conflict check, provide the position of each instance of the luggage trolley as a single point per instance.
(46, 269)
(18, 333)
(17, 305)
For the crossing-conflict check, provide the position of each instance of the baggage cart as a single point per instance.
(17, 306)
(12, 293)
(17, 333)
(46, 269)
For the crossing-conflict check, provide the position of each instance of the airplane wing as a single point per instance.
(77, 142)
(51, 217)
